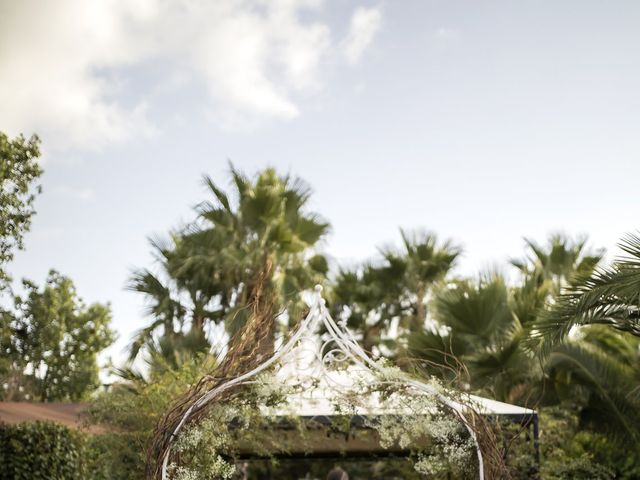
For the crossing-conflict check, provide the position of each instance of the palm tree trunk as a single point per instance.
(418, 319)
(264, 311)
(255, 342)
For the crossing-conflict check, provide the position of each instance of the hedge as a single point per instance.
(40, 450)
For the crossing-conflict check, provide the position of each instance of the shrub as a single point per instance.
(131, 410)
(40, 450)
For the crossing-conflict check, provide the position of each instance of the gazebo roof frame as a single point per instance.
(341, 347)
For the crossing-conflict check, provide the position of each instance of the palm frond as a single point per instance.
(609, 382)
(609, 296)
(218, 193)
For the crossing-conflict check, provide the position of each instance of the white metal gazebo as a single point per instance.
(323, 363)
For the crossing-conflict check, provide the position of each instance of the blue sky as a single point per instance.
(484, 121)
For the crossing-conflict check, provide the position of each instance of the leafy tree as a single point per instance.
(425, 263)
(477, 339)
(366, 298)
(369, 298)
(482, 327)
(248, 253)
(52, 341)
(130, 410)
(559, 262)
(19, 171)
(608, 296)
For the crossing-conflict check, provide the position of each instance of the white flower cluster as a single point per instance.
(428, 430)
(268, 389)
(217, 468)
(204, 441)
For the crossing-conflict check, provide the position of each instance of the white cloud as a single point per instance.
(50, 54)
(65, 66)
(365, 23)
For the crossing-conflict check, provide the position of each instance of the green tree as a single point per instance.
(484, 331)
(482, 328)
(19, 170)
(589, 340)
(398, 287)
(170, 302)
(131, 409)
(608, 296)
(476, 338)
(249, 253)
(53, 342)
(426, 262)
(366, 299)
(598, 374)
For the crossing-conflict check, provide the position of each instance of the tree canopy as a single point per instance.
(51, 341)
(559, 332)
(248, 252)
(19, 172)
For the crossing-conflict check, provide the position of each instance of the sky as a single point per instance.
(483, 121)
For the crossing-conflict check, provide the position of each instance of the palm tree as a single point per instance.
(370, 297)
(267, 260)
(247, 254)
(366, 298)
(168, 354)
(600, 362)
(483, 327)
(558, 262)
(174, 301)
(609, 296)
(477, 339)
(598, 373)
(426, 262)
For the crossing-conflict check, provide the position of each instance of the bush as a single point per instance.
(577, 469)
(131, 410)
(113, 456)
(40, 450)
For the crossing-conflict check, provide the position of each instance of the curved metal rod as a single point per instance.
(347, 344)
(211, 394)
(345, 340)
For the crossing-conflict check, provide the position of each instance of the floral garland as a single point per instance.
(437, 440)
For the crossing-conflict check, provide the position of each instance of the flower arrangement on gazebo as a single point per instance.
(321, 393)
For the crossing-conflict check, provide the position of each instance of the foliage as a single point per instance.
(248, 252)
(252, 250)
(364, 298)
(450, 450)
(49, 339)
(608, 296)
(52, 341)
(210, 448)
(481, 335)
(19, 170)
(40, 450)
(560, 262)
(477, 339)
(131, 409)
(567, 450)
(482, 327)
(371, 296)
